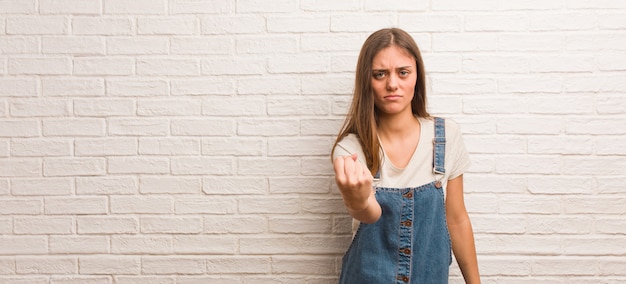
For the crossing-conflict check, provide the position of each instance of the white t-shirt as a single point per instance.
(419, 170)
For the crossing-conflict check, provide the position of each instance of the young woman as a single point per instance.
(392, 161)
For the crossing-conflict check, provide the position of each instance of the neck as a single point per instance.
(399, 125)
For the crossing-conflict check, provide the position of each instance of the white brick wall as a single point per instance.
(186, 141)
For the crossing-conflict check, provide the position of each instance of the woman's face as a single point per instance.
(394, 75)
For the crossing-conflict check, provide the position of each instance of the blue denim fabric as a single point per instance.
(410, 242)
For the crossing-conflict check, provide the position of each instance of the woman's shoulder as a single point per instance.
(451, 126)
(348, 145)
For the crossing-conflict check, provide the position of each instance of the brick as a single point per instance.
(556, 185)
(595, 126)
(124, 244)
(141, 205)
(300, 185)
(206, 6)
(609, 184)
(233, 66)
(202, 244)
(169, 146)
(239, 24)
(109, 264)
(448, 85)
(318, 146)
(294, 244)
(138, 165)
(26, 280)
(37, 25)
(104, 107)
(167, 26)
(107, 225)
(91, 7)
(79, 244)
(43, 225)
(169, 185)
(145, 45)
(169, 107)
(314, 85)
(33, 147)
(593, 205)
(563, 21)
(611, 146)
(316, 167)
(73, 87)
(173, 265)
(306, 64)
(464, 42)
(171, 225)
(268, 127)
(267, 205)
(205, 86)
(21, 7)
(538, 164)
(21, 207)
(289, 106)
(75, 205)
(239, 265)
(570, 104)
(495, 144)
(597, 246)
(23, 245)
(7, 266)
(430, 23)
(596, 41)
(232, 146)
(168, 67)
(298, 24)
(234, 185)
(361, 22)
(560, 145)
(107, 185)
(75, 127)
(496, 22)
(202, 127)
(542, 245)
(138, 127)
(42, 186)
(529, 42)
(268, 166)
(609, 225)
(20, 167)
(40, 66)
(6, 227)
(202, 166)
(246, 224)
(248, 106)
(39, 108)
(267, 86)
(529, 126)
(292, 225)
(265, 44)
(611, 62)
(19, 128)
(18, 45)
(105, 147)
(103, 66)
(78, 45)
(147, 279)
(202, 45)
(317, 265)
(18, 87)
(610, 21)
(109, 26)
(80, 280)
(586, 84)
(142, 7)
(495, 64)
(206, 205)
(46, 265)
(491, 225)
(136, 88)
(329, 5)
(60, 167)
(558, 225)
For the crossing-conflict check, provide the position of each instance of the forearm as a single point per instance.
(367, 213)
(464, 249)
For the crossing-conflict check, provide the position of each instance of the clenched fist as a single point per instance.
(354, 181)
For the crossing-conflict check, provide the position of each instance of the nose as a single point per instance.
(392, 82)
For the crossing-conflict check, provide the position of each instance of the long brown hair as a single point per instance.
(362, 118)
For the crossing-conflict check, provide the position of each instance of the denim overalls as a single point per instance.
(410, 242)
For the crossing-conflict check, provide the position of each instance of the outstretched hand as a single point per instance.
(354, 181)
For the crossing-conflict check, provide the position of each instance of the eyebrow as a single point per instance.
(401, 67)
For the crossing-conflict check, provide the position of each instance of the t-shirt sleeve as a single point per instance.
(457, 159)
(348, 146)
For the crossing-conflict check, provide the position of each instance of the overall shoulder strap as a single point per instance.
(439, 146)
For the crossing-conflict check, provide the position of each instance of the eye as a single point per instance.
(379, 75)
(404, 73)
